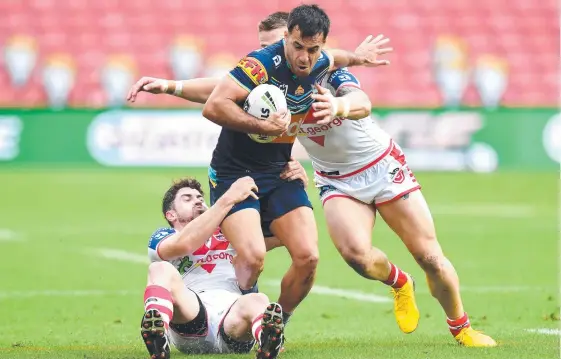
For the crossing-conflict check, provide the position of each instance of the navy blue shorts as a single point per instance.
(276, 196)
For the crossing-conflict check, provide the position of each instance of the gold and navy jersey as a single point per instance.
(236, 152)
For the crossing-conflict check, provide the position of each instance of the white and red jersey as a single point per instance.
(344, 146)
(206, 269)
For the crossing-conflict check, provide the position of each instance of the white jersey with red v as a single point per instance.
(344, 145)
(209, 267)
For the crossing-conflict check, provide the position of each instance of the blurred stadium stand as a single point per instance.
(141, 35)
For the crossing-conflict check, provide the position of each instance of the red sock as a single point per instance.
(456, 325)
(156, 297)
(397, 277)
(256, 327)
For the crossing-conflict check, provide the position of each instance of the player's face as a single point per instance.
(188, 205)
(303, 53)
(267, 38)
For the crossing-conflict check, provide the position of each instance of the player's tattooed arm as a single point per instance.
(196, 90)
(366, 54)
(359, 102)
(222, 108)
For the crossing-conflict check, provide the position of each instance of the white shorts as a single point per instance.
(217, 304)
(385, 179)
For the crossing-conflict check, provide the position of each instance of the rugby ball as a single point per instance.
(262, 102)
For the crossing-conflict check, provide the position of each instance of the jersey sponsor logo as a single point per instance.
(341, 78)
(217, 242)
(289, 136)
(333, 75)
(207, 262)
(158, 236)
(162, 234)
(254, 69)
(284, 88)
(299, 90)
(344, 77)
(277, 60)
(315, 132)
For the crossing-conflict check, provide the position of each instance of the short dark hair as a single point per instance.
(274, 21)
(169, 196)
(310, 19)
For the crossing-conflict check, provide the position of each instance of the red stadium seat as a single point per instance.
(523, 32)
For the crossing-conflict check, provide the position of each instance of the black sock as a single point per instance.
(286, 316)
(253, 289)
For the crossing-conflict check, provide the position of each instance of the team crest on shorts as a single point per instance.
(397, 175)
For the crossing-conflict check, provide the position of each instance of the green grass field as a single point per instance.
(72, 244)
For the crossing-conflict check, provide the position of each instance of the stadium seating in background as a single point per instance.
(446, 52)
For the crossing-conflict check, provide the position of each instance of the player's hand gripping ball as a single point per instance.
(262, 102)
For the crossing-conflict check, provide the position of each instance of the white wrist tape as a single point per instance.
(178, 88)
(334, 105)
(346, 106)
(165, 86)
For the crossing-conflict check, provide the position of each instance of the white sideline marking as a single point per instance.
(545, 331)
(132, 257)
(489, 289)
(350, 294)
(121, 255)
(341, 293)
(317, 289)
(62, 293)
(7, 235)
(484, 210)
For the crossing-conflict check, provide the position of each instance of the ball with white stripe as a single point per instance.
(262, 102)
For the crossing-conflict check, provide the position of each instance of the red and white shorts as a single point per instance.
(385, 179)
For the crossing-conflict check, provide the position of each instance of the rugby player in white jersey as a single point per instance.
(360, 170)
(192, 296)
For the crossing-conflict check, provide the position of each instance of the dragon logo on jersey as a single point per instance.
(217, 242)
(254, 69)
(185, 264)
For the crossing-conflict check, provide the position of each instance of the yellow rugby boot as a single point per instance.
(469, 337)
(405, 308)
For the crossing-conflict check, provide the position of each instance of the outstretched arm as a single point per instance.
(196, 90)
(366, 54)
